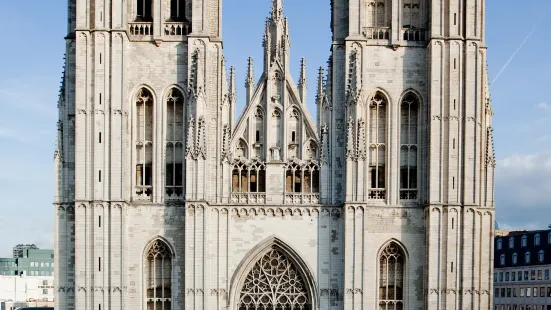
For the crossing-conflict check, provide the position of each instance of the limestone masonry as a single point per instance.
(165, 200)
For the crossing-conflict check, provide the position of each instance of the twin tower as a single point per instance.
(165, 199)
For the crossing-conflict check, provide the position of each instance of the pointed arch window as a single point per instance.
(377, 146)
(158, 276)
(527, 258)
(541, 256)
(143, 11)
(499, 244)
(409, 122)
(249, 177)
(391, 277)
(511, 242)
(515, 258)
(177, 10)
(144, 143)
(274, 283)
(524, 241)
(379, 13)
(174, 168)
(502, 259)
(537, 239)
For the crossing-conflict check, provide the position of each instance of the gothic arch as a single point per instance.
(157, 290)
(384, 252)
(260, 251)
(150, 242)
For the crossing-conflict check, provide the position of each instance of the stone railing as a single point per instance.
(248, 198)
(376, 33)
(140, 30)
(415, 35)
(144, 191)
(174, 193)
(302, 198)
(377, 194)
(408, 194)
(177, 29)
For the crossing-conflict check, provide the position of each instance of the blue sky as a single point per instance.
(32, 51)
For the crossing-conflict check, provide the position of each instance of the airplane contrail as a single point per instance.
(520, 46)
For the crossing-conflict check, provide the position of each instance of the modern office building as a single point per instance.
(522, 267)
(30, 261)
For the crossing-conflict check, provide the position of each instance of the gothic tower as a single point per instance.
(410, 123)
(166, 199)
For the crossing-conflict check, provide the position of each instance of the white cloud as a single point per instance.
(544, 106)
(523, 191)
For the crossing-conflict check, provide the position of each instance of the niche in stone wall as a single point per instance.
(293, 134)
(258, 133)
(276, 134)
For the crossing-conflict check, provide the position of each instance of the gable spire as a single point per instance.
(276, 37)
(249, 83)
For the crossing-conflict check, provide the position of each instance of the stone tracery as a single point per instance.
(274, 283)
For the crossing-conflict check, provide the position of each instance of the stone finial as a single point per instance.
(250, 73)
(302, 80)
(319, 94)
(232, 81)
(302, 83)
(249, 83)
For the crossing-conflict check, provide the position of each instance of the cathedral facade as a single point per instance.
(166, 199)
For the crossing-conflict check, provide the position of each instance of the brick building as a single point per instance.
(166, 199)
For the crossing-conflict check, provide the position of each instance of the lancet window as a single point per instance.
(293, 133)
(411, 14)
(143, 11)
(274, 283)
(258, 132)
(177, 10)
(144, 143)
(158, 276)
(249, 177)
(302, 178)
(391, 277)
(379, 13)
(377, 146)
(409, 120)
(174, 172)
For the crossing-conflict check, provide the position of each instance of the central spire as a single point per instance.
(276, 37)
(277, 9)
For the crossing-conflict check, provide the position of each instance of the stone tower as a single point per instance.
(407, 110)
(165, 200)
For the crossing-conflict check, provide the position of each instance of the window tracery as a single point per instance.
(379, 13)
(302, 178)
(174, 173)
(377, 146)
(158, 276)
(274, 283)
(391, 277)
(249, 177)
(409, 120)
(144, 143)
